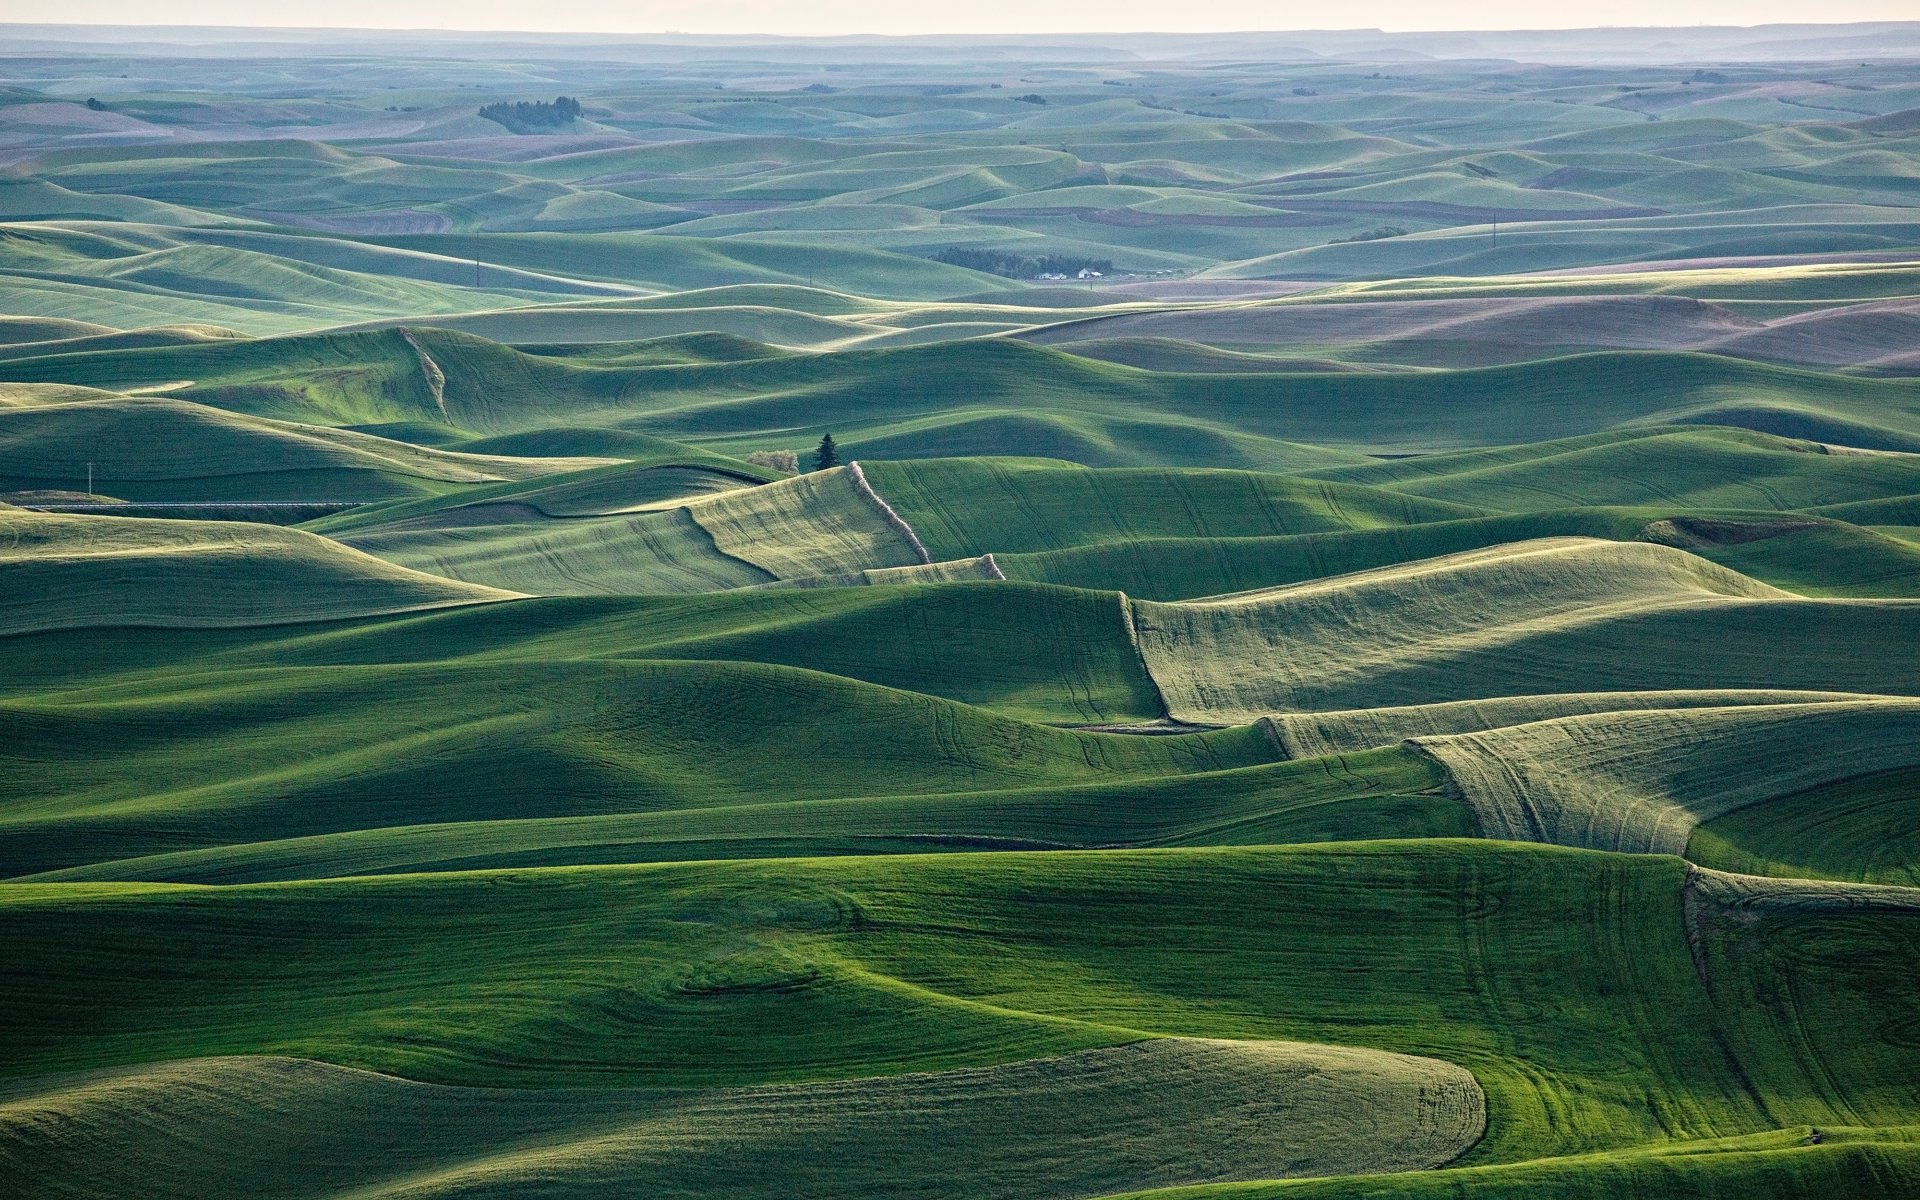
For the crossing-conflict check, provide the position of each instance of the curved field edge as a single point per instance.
(1642, 781)
(1600, 1002)
(1857, 829)
(1163, 1110)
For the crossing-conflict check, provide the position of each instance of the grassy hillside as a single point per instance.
(1555, 615)
(1712, 468)
(1856, 828)
(152, 448)
(1641, 781)
(847, 969)
(1813, 556)
(1362, 638)
(72, 572)
(134, 769)
(1324, 734)
(995, 396)
(1390, 793)
(969, 506)
(1162, 1110)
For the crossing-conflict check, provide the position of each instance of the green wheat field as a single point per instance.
(1359, 637)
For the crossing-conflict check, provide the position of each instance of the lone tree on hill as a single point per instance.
(828, 455)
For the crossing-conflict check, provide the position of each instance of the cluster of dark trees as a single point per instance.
(1019, 266)
(1370, 235)
(533, 116)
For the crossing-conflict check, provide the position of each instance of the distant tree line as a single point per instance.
(1019, 266)
(533, 116)
(1370, 235)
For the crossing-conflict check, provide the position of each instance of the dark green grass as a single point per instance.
(261, 754)
(1898, 510)
(1873, 1164)
(1563, 979)
(1865, 829)
(666, 843)
(1042, 653)
(964, 507)
(1091, 439)
(1820, 559)
(159, 449)
(1388, 793)
(1050, 654)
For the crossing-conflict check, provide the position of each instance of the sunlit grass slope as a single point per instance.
(1813, 556)
(1165, 1110)
(1319, 734)
(654, 552)
(80, 571)
(635, 531)
(1547, 616)
(1641, 781)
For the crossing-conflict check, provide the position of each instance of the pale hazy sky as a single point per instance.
(825, 17)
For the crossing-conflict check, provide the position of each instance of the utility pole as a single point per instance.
(89, 479)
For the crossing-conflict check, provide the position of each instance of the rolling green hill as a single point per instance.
(981, 396)
(1641, 781)
(133, 769)
(845, 969)
(1710, 468)
(1541, 617)
(1810, 555)
(1362, 637)
(66, 572)
(1852, 829)
(1166, 1109)
(154, 448)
